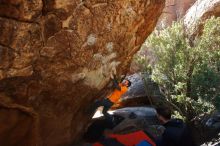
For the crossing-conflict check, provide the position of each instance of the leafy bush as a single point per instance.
(187, 69)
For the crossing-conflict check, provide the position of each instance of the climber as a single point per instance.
(119, 89)
(176, 132)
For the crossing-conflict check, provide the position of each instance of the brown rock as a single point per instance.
(56, 58)
(173, 11)
(199, 12)
(21, 42)
(21, 10)
(18, 124)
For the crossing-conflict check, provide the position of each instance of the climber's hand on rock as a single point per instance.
(123, 77)
(113, 74)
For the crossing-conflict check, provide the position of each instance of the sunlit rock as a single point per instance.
(199, 12)
(48, 61)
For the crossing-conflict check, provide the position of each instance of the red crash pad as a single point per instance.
(132, 139)
(97, 144)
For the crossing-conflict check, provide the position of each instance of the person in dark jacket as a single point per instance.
(176, 132)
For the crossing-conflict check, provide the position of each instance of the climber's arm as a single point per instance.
(115, 82)
(122, 78)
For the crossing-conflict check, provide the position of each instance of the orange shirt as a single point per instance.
(115, 96)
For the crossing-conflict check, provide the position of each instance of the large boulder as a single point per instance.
(199, 12)
(56, 57)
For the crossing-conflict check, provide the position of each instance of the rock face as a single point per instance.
(22, 123)
(200, 11)
(56, 57)
(174, 10)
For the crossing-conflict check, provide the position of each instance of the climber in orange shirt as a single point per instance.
(119, 89)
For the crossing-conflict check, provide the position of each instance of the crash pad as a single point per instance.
(132, 139)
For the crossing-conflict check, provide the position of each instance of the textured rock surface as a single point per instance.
(22, 122)
(200, 11)
(56, 57)
(174, 10)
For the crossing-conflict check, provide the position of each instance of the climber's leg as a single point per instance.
(107, 105)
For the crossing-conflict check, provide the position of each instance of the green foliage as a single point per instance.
(188, 69)
(143, 63)
(206, 84)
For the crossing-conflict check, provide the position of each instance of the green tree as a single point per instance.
(188, 69)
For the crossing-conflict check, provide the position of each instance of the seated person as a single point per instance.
(176, 132)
